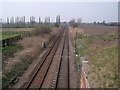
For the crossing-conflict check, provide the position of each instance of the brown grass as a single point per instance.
(17, 29)
(16, 66)
(98, 29)
(40, 30)
(32, 45)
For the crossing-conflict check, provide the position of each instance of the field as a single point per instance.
(98, 45)
(98, 29)
(16, 29)
(11, 32)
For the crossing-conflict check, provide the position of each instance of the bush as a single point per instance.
(44, 29)
(75, 25)
(56, 25)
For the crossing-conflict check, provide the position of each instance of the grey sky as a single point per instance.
(88, 11)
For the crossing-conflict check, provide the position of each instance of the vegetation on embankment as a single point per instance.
(10, 77)
(104, 68)
(41, 30)
(12, 32)
(101, 52)
(18, 57)
(9, 51)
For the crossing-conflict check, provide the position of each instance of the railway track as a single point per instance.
(61, 78)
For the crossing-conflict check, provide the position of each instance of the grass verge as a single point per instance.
(103, 61)
(104, 68)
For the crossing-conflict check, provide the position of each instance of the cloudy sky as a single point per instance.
(88, 11)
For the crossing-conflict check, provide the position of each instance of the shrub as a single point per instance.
(74, 25)
(44, 29)
(56, 25)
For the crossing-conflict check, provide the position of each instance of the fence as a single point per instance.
(9, 41)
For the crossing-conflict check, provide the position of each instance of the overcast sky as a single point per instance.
(88, 11)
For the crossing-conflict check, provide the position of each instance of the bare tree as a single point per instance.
(72, 21)
(39, 20)
(8, 20)
(12, 20)
(0, 20)
(23, 20)
(47, 20)
(32, 19)
(58, 19)
(79, 21)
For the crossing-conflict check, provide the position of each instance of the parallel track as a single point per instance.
(62, 77)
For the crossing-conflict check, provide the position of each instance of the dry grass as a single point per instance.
(40, 30)
(17, 29)
(31, 47)
(33, 44)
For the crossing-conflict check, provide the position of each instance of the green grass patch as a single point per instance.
(87, 47)
(84, 47)
(11, 77)
(103, 63)
(79, 35)
(105, 67)
(9, 51)
(5, 36)
(9, 34)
